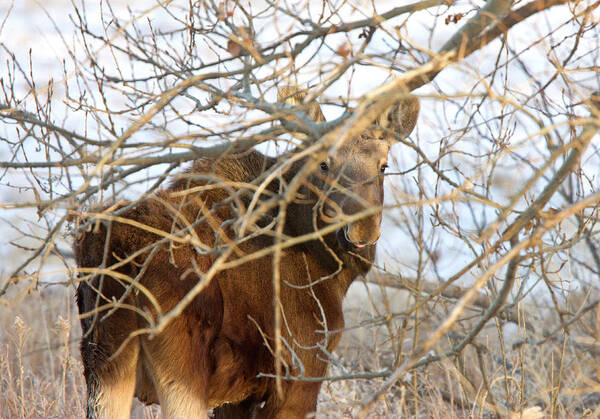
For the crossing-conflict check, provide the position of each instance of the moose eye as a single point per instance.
(324, 166)
(383, 167)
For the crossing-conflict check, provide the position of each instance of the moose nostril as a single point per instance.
(360, 243)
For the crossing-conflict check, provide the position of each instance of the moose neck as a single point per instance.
(300, 213)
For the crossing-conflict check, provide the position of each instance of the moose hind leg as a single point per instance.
(110, 381)
(111, 384)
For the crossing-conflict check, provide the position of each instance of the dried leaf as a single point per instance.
(453, 18)
(234, 48)
(238, 45)
(344, 50)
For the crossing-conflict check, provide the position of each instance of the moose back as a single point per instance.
(143, 258)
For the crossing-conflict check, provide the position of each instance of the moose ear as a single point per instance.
(401, 117)
(295, 96)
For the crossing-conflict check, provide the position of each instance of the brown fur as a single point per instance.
(210, 355)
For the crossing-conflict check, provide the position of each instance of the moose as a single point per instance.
(218, 352)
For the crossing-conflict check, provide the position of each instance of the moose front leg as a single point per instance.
(244, 409)
(299, 401)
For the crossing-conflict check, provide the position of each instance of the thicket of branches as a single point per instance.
(491, 205)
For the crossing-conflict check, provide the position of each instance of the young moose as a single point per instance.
(210, 355)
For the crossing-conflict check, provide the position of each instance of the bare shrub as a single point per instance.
(482, 301)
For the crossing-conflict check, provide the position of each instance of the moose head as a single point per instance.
(347, 184)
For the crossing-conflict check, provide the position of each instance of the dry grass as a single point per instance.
(39, 365)
(41, 373)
